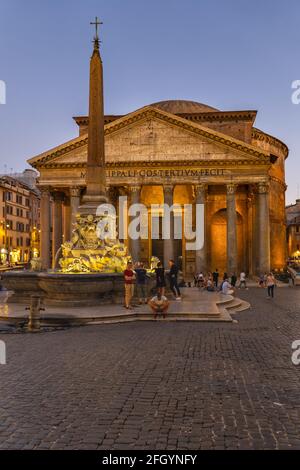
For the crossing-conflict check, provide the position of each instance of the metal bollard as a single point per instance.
(34, 313)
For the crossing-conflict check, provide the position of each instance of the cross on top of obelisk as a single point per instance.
(96, 23)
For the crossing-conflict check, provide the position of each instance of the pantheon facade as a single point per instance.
(180, 152)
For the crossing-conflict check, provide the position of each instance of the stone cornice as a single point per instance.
(144, 114)
(257, 134)
(219, 116)
(163, 163)
(277, 180)
(84, 120)
(56, 152)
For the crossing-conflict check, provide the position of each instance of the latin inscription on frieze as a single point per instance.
(163, 173)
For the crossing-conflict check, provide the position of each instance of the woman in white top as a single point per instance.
(271, 282)
(243, 280)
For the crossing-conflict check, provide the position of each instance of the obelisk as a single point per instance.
(95, 174)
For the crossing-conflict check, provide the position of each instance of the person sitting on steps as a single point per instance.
(159, 305)
(227, 288)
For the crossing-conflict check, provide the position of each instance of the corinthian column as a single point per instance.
(135, 245)
(57, 224)
(67, 220)
(201, 255)
(263, 227)
(231, 230)
(169, 242)
(45, 228)
(250, 231)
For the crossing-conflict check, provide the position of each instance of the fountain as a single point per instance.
(88, 252)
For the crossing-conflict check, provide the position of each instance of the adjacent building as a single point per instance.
(19, 217)
(293, 231)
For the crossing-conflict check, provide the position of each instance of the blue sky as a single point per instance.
(230, 54)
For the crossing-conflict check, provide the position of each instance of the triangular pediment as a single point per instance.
(151, 135)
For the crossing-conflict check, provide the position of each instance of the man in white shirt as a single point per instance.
(159, 305)
(227, 288)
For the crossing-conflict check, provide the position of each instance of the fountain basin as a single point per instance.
(75, 290)
(23, 283)
(65, 290)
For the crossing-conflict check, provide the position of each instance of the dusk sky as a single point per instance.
(230, 54)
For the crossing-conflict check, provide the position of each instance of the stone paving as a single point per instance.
(157, 385)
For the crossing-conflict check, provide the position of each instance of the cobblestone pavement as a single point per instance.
(157, 385)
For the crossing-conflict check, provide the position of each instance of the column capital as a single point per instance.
(75, 191)
(45, 190)
(134, 189)
(58, 196)
(199, 189)
(168, 188)
(123, 190)
(263, 187)
(231, 188)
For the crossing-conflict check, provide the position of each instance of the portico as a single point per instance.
(230, 231)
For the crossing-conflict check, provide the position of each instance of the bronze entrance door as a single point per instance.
(158, 246)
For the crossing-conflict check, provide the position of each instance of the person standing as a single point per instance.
(201, 280)
(243, 280)
(173, 279)
(233, 280)
(216, 278)
(160, 279)
(129, 278)
(271, 282)
(261, 281)
(141, 283)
